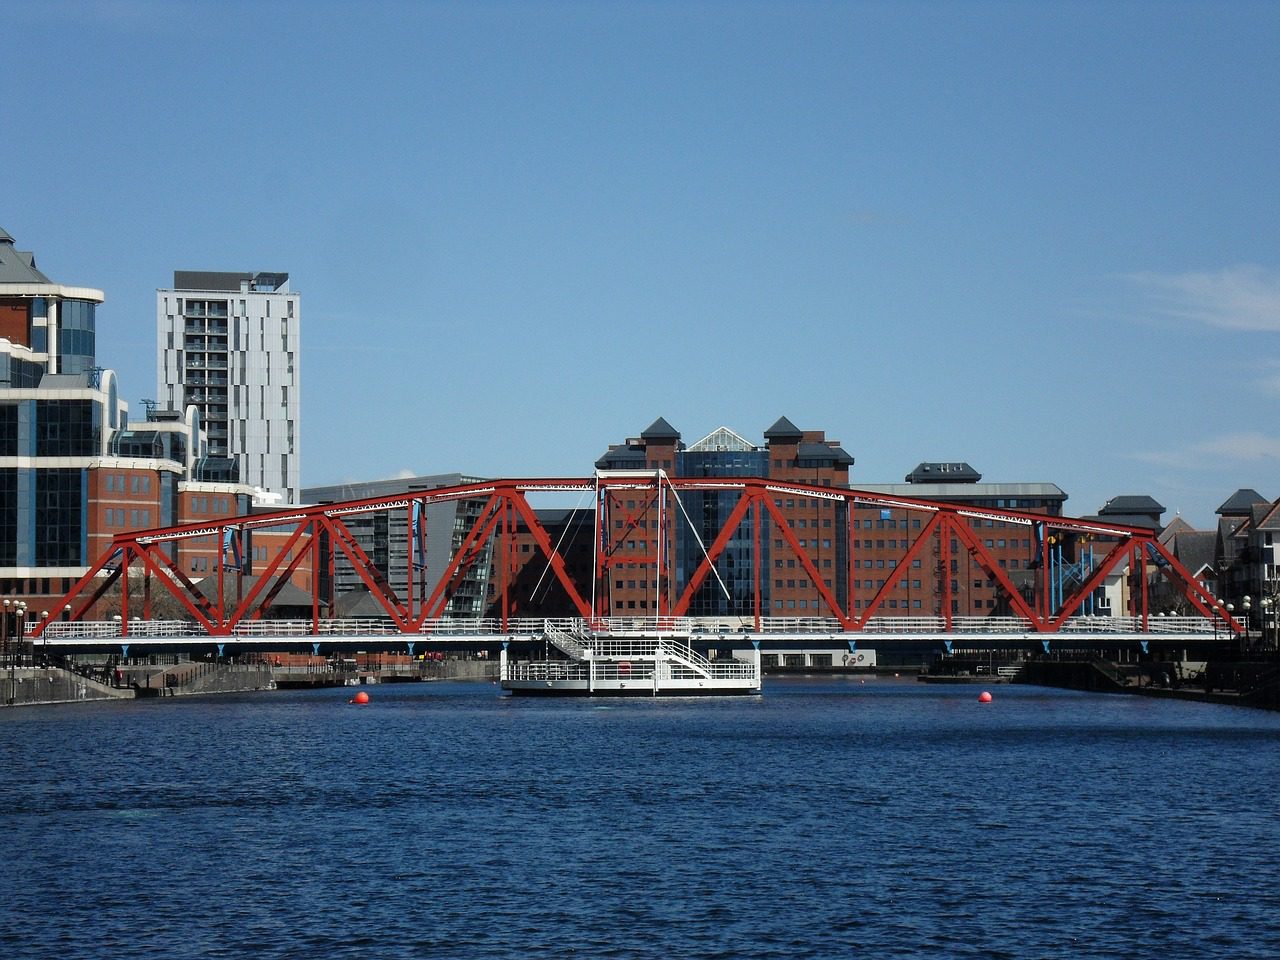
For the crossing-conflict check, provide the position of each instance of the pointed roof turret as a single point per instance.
(1240, 503)
(783, 429)
(660, 430)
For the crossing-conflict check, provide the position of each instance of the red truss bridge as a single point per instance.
(506, 535)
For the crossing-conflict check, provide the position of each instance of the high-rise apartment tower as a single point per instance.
(227, 343)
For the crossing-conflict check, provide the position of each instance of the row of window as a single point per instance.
(221, 505)
(127, 519)
(119, 483)
(791, 563)
(817, 503)
(805, 544)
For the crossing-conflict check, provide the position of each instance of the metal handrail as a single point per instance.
(625, 629)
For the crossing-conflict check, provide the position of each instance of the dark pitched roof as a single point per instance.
(660, 430)
(1140, 520)
(18, 266)
(1267, 517)
(1130, 505)
(287, 596)
(783, 429)
(1240, 503)
(1195, 548)
(621, 458)
(1174, 528)
(823, 451)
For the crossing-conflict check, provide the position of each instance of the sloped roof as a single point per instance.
(1266, 516)
(1195, 549)
(1140, 520)
(359, 603)
(660, 430)
(783, 429)
(289, 595)
(18, 266)
(1241, 502)
(721, 438)
(822, 451)
(67, 381)
(1130, 505)
(1175, 527)
(620, 455)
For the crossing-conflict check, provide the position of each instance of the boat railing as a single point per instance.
(565, 642)
(686, 655)
(547, 670)
(623, 670)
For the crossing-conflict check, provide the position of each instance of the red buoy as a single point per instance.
(984, 697)
(360, 697)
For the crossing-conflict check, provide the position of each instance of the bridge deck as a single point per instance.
(383, 633)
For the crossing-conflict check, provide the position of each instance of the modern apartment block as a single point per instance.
(228, 344)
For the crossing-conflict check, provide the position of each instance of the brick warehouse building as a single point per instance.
(631, 554)
(885, 534)
(853, 562)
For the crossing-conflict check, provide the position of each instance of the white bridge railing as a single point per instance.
(577, 630)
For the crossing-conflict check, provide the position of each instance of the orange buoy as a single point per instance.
(984, 697)
(360, 697)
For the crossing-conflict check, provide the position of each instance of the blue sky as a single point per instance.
(1038, 237)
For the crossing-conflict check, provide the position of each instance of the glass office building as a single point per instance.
(72, 472)
(730, 590)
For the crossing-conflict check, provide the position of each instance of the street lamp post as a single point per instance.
(1268, 611)
(15, 646)
(4, 643)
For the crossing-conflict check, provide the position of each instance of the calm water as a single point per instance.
(826, 818)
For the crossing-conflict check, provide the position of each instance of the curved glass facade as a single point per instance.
(77, 347)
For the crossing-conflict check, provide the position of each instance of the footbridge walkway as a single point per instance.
(331, 634)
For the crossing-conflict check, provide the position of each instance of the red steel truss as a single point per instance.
(505, 507)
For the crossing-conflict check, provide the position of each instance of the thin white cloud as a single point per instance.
(1244, 447)
(1268, 382)
(1245, 297)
